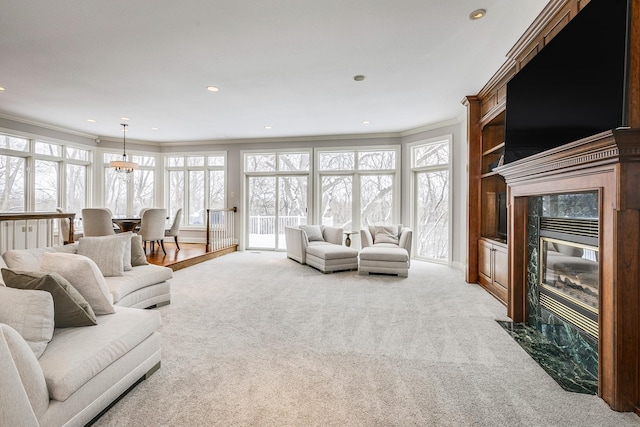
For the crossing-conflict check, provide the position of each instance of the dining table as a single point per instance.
(127, 224)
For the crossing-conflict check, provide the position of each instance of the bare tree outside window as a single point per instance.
(353, 195)
(278, 193)
(196, 197)
(143, 183)
(337, 201)
(376, 199)
(76, 177)
(12, 175)
(176, 192)
(262, 211)
(430, 165)
(433, 215)
(46, 185)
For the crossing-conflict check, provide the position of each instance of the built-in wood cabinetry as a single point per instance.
(485, 130)
(493, 267)
(608, 163)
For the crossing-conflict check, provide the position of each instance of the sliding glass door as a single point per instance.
(277, 196)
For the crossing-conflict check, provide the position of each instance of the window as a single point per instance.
(431, 189)
(12, 183)
(195, 183)
(126, 194)
(40, 175)
(358, 187)
(277, 195)
(46, 185)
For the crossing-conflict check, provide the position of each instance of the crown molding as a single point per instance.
(432, 126)
(289, 139)
(47, 126)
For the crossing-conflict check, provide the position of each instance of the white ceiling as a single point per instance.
(286, 64)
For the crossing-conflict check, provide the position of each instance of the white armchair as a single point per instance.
(386, 249)
(320, 247)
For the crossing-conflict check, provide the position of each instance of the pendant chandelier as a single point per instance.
(123, 166)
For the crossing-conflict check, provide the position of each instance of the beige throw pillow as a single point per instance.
(106, 252)
(314, 233)
(84, 275)
(138, 257)
(70, 309)
(386, 234)
(29, 312)
(2, 265)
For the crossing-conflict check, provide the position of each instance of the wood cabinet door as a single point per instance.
(484, 262)
(500, 266)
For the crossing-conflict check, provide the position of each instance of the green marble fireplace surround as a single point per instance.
(566, 351)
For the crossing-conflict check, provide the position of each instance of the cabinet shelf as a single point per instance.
(488, 174)
(493, 149)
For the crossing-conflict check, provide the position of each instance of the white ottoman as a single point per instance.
(384, 259)
(329, 257)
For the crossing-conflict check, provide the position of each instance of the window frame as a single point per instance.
(277, 173)
(186, 169)
(410, 174)
(30, 156)
(357, 173)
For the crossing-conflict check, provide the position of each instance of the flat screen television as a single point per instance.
(575, 86)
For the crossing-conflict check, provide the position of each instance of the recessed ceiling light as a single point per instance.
(477, 14)
(213, 88)
(91, 120)
(359, 77)
(268, 127)
(1, 88)
(126, 119)
(155, 128)
(366, 122)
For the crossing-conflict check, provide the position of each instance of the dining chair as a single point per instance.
(152, 227)
(64, 229)
(175, 227)
(97, 222)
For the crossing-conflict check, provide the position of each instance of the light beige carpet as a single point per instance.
(255, 339)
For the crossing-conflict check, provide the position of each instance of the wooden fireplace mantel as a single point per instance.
(608, 163)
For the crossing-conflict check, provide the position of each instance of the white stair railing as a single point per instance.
(221, 229)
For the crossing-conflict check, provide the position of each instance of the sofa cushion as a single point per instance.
(313, 232)
(30, 313)
(84, 275)
(107, 252)
(382, 253)
(29, 259)
(330, 251)
(15, 354)
(70, 308)
(76, 355)
(138, 278)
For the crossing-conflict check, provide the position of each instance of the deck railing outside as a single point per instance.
(27, 230)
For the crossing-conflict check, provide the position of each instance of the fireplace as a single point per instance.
(607, 166)
(569, 273)
(560, 327)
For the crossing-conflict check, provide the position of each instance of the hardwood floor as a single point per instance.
(189, 254)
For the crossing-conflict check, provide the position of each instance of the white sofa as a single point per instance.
(386, 249)
(142, 287)
(82, 370)
(320, 247)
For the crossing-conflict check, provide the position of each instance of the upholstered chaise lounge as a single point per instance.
(320, 247)
(385, 249)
